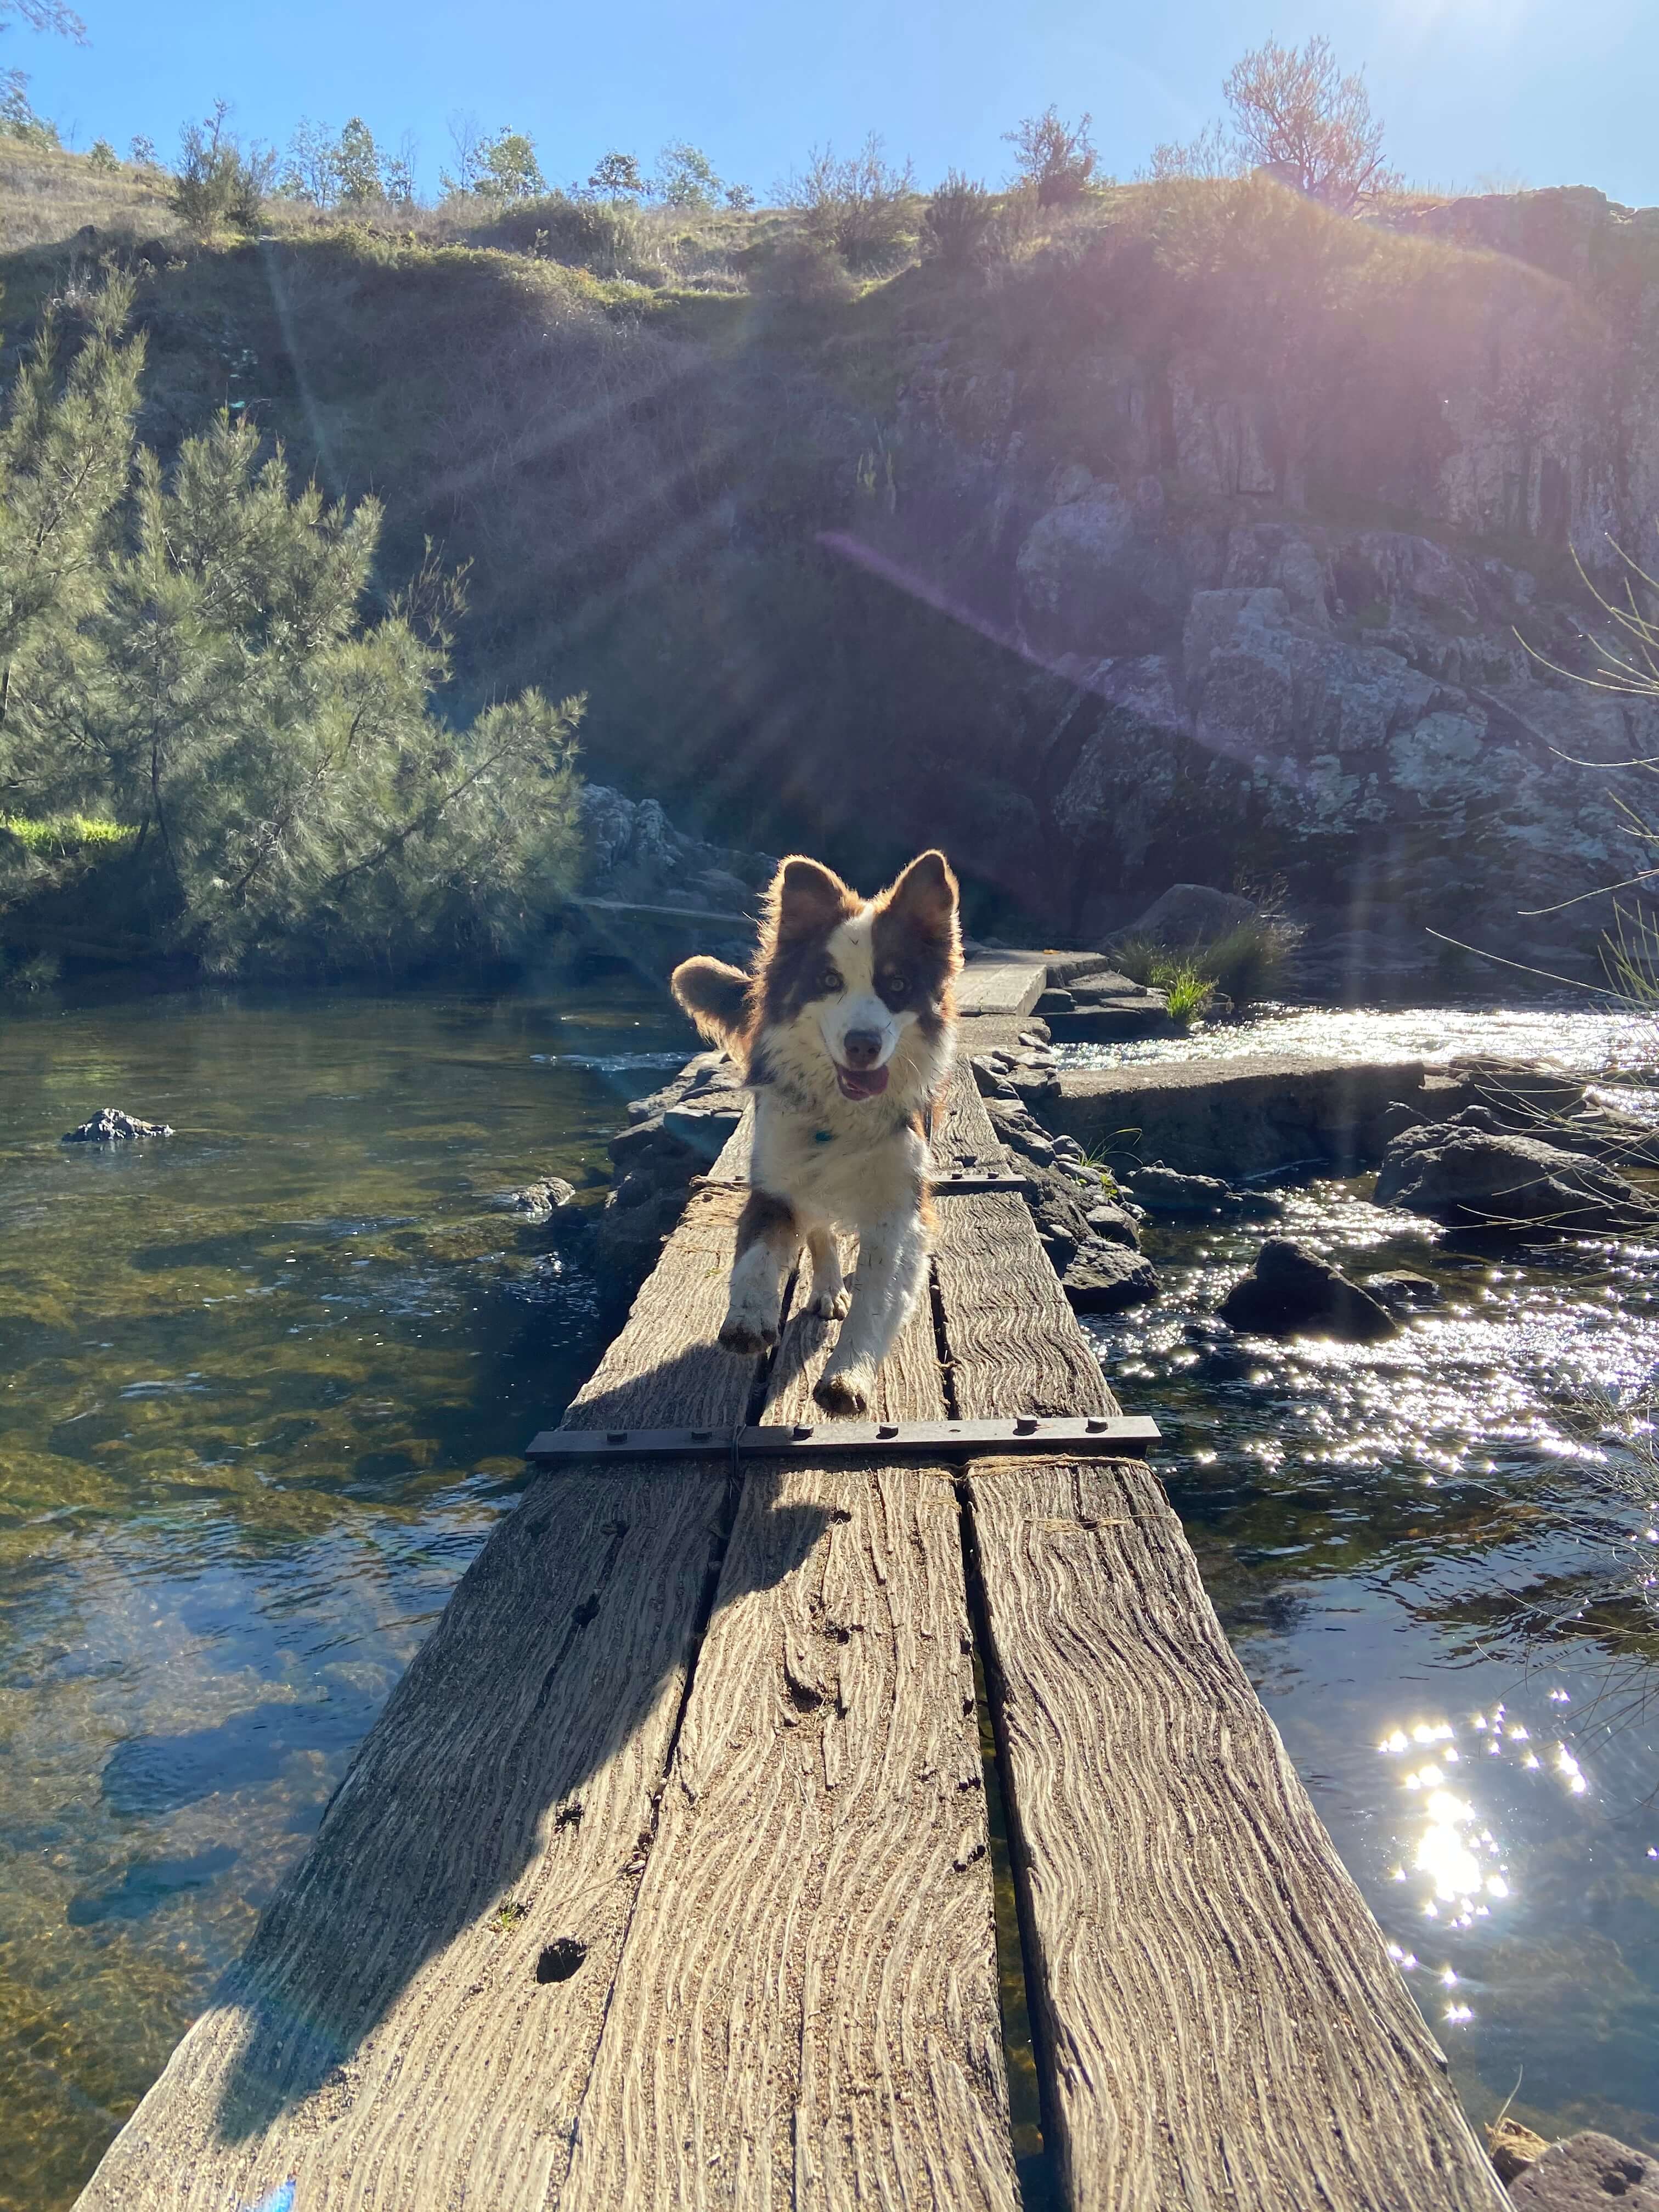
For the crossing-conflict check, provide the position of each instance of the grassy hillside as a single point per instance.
(651, 436)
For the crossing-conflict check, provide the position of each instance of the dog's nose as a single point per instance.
(862, 1048)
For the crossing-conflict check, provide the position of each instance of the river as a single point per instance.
(262, 1391)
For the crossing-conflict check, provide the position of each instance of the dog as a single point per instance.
(845, 1026)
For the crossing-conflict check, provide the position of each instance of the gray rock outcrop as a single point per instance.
(1102, 1278)
(110, 1125)
(1477, 1177)
(633, 853)
(1292, 1292)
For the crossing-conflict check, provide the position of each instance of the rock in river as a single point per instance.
(110, 1125)
(1587, 2171)
(1478, 1177)
(1293, 1291)
(1104, 1278)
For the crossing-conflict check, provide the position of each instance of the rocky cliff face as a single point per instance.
(1218, 670)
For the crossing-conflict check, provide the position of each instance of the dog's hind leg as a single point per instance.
(892, 1268)
(769, 1239)
(829, 1299)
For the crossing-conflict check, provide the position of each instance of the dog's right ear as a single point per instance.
(807, 900)
(715, 996)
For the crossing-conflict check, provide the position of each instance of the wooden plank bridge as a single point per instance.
(664, 1878)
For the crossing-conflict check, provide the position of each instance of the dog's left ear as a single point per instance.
(927, 895)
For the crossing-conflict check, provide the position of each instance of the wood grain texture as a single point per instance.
(386, 2038)
(807, 2010)
(1220, 2023)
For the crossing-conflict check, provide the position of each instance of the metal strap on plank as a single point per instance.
(1091, 1435)
(943, 1182)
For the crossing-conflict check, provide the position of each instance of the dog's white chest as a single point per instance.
(833, 1173)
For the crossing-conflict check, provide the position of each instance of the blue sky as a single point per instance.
(1474, 92)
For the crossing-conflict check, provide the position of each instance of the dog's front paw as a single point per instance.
(743, 1335)
(831, 1304)
(846, 1392)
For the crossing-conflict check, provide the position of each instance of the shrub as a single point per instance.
(189, 657)
(584, 233)
(801, 271)
(100, 155)
(958, 226)
(1251, 961)
(1247, 962)
(216, 181)
(1055, 157)
(859, 206)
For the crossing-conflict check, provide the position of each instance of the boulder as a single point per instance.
(550, 1202)
(1584, 2173)
(1161, 1190)
(1191, 914)
(704, 1124)
(1103, 1278)
(1402, 1290)
(1477, 1177)
(110, 1125)
(1292, 1292)
(1112, 1226)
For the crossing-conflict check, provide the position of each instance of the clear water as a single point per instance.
(1425, 1560)
(262, 1394)
(1588, 1043)
(263, 1391)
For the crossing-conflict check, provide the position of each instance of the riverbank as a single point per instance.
(267, 1387)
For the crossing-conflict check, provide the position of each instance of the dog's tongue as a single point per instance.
(860, 1083)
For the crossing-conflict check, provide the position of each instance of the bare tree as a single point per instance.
(44, 15)
(1055, 156)
(1295, 113)
(466, 137)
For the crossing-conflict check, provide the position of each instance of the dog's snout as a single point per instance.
(862, 1048)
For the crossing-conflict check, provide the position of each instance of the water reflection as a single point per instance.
(1421, 1559)
(262, 1391)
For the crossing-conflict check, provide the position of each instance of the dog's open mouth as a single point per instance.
(861, 1082)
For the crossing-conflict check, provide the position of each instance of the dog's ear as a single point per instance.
(925, 894)
(807, 900)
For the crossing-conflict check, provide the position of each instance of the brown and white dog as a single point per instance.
(846, 1029)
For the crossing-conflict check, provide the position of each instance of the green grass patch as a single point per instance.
(56, 836)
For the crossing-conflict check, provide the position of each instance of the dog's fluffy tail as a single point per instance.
(715, 996)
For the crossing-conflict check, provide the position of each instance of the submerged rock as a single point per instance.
(1293, 1291)
(1103, 1278)
(1161, 1190)
(110, 1125)
(1403, 1289)
(1480, 1178)
(550, 1202)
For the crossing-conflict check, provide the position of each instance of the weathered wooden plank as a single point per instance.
(1220, 2022)
(1220, 2025)
(807, 2010)
(415, 2021)
(992, 986)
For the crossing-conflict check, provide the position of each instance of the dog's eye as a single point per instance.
(829, 982)
(895, 985)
